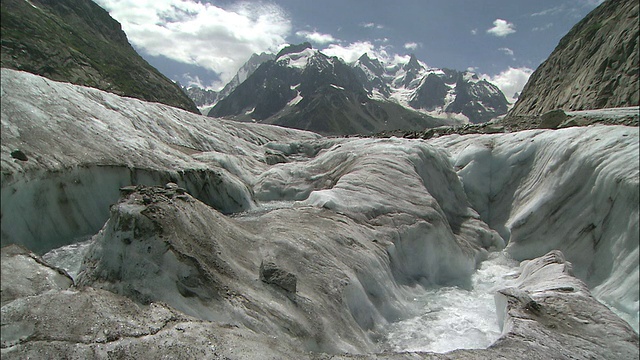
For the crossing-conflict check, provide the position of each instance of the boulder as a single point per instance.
(273, 274)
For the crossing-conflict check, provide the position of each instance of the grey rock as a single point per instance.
(552, 119)
(271, 273)
(19, 155)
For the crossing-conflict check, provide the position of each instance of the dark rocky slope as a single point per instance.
(594, 66)
(77, 41)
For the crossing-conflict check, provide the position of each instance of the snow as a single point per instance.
(296, 99)
(470, 77)
(298, 60)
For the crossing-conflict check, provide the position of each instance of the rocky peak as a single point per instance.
(292, 49)
(413, 64)
(372, 65)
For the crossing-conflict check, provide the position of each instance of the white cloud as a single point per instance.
(201, 34)
(474, 31)
(372, 25)
(501, 28)
(350, 53)
(411, 46)
(510, 81)
(551, 11)
(543, 28)
(316, 37)
(506, 50)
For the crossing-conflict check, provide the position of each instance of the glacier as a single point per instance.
(378, 234)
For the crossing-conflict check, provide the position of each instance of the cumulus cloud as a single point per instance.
(501, 28)
(201, 34)
(411, 46)
(351, 52)
(474, 31)
(316, 37)
(510, 81)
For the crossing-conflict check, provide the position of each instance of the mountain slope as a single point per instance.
(77, 41)
(594, 66)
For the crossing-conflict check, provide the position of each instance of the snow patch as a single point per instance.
(298, 60)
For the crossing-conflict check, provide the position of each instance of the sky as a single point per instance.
(205, 42)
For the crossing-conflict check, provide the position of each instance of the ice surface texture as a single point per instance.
(362, 224)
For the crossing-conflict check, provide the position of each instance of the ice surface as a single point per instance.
(69, 257)
(365, 224)
(84, 144)
(574, 189)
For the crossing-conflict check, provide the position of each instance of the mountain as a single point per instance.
(77, 41)
(133, 229)
(303, 88)
(595, 65)
(245, 71)
(438, 92)
(205, 99)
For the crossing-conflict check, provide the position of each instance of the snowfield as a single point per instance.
(371, 243)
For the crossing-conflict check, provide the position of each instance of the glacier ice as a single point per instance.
(573, 189)
(366, 225)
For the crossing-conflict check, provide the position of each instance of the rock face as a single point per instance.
(77, 41)
(594, 66)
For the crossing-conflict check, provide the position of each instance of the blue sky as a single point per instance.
(205, 42)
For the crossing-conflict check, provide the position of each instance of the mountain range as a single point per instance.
(303, 88)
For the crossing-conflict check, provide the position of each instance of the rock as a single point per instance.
(552, 119)
(271, 273)
(19, 155)
(171, 186)
(272, 157)
(126, 190)
(570, 122)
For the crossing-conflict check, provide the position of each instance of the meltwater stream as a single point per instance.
(451, 318)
